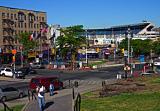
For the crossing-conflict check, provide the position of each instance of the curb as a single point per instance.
(25, 106)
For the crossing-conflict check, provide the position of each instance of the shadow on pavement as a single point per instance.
(48, 104)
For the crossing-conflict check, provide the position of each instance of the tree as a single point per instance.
(70, 40)
(27, 44)
(156, 46)
(139, 46)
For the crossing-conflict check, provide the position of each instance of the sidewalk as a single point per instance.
(60, 102)
(63, 100)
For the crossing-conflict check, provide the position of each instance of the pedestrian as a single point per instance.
(51, 88)
(41, 96)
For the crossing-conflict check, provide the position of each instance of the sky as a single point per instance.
(92, 13)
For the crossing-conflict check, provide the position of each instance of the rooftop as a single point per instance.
(21, 9)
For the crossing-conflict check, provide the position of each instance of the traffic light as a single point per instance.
(122, 50)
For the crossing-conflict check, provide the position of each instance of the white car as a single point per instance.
(6, 72)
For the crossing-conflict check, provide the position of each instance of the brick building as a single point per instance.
(14, 21)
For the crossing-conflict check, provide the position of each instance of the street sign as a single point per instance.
(125, 53)
(14, 51)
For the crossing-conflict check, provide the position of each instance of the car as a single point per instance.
(28, 70)
(37, 65)
(8, 93)
(45, 81)
(150, 72)
(7, 72)
(17, 73)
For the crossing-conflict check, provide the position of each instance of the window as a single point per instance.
(3, 15)
(37, 18)
(42, 18)
(19, 25)
(7, 15)
(25, 25)
(37, 26)
(34, 25)
(11, 16)
(9, 70)
(15, 16)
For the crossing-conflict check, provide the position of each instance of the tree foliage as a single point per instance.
(70, 40)
(27, 44)
(139, 46)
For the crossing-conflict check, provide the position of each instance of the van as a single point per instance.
(45, 81)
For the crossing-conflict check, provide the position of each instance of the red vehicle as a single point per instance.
(45, 81)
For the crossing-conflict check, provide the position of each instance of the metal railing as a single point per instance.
(6, 108)
(77, 101)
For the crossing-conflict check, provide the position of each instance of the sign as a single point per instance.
(13, 59)
(14, 51)
(141, 58)
(125, 53)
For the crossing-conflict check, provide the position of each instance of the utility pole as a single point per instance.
(129, 36)
(86, 48)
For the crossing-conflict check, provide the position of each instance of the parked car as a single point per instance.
(37, 65)
(7, 72)
(45, 81)
(28, 70)
(8, 93)
(150, 72)
(17, 73)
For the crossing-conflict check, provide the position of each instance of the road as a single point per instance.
(94, 75)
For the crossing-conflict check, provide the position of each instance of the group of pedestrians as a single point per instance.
(41, 94)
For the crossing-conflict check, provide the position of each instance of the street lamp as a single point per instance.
(129, 37)
(86, 48)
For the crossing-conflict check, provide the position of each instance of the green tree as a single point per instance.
(139, 46)
(70, 41)
(27, 44)
(156, 47)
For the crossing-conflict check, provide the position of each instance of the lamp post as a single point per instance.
(86, 48)
(21, 48)
(129, 37)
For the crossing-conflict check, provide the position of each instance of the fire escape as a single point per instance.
(8, 39)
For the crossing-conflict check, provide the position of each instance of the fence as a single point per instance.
(76, 101)
(6, 108)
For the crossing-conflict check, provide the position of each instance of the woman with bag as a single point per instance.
(41, 96)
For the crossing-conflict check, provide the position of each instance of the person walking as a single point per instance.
(51, 88)
(41, 96)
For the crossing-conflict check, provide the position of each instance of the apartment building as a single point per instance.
(14, 21)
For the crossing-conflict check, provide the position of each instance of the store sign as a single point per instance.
(14, 51)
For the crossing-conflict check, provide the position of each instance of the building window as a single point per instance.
(19, 25)
(37, 18)
(43, 19)
(11, 16)
(34, 25)
(3, 15)
(15, 16)
(37, 26)
(24, 17)
(7, 15)
(25, 25)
